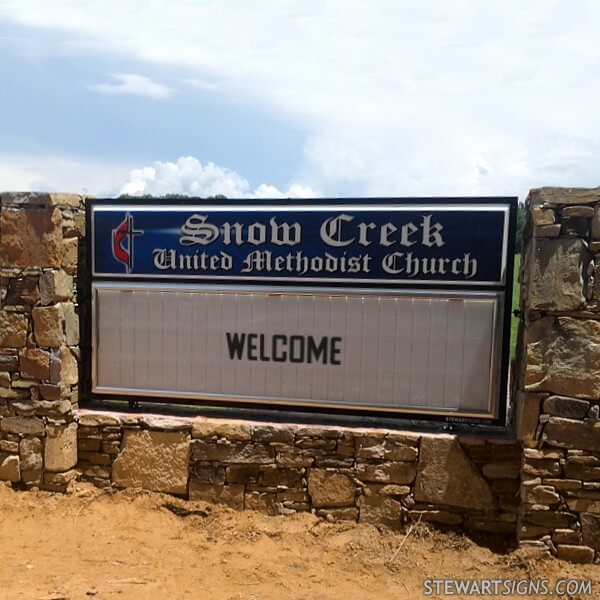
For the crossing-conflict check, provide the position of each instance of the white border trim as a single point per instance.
(500, 207)
(495, 356)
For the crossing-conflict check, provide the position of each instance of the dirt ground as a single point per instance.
(133, 544)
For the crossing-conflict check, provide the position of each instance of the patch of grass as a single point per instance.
(514, 321)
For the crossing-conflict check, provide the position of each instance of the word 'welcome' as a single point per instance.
(284, 348)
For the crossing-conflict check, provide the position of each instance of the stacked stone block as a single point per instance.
(558, 403)
(99, 438)
(39, 337)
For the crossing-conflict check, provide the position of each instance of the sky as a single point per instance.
(303, 98)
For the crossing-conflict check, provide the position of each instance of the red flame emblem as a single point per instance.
(122, 242)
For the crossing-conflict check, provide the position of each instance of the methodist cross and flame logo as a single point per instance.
(122, 242)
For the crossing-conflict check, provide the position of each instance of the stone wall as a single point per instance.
(558, 379)
(376, 476)
(39, 337)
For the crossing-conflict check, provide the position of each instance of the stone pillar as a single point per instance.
(39, 337)
(558, 374)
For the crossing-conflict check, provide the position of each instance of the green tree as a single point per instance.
(520, 226)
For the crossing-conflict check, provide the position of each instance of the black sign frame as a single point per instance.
(282, 410)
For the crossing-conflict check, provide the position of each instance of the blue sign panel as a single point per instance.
(448, 244)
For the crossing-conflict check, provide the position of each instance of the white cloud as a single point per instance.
(129, 84)
(187, 176)
(190, 177)
(264, 190)
(201, 84)
(394, 97)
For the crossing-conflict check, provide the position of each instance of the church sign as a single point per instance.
(388, 307)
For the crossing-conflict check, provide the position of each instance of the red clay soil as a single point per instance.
(137, 545)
